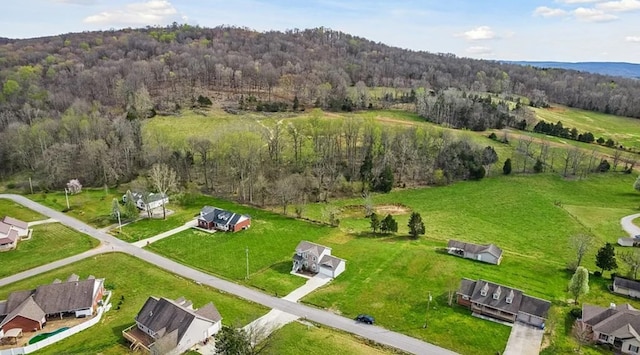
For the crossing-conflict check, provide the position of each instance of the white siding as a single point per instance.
(84, 312)
(196, 333)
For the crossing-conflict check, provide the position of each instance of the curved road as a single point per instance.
(110, 243)
(629, 226)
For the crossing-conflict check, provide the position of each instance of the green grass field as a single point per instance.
(92, 206)
(296, 338)
(624, 130)
(134, 280)
(12, 209)
(271, 241)
(49, 242)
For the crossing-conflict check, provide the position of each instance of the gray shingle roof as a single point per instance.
(331, 261)
(27, 309)
(625, 283)
(65, 296)
(519, 301)
(621, 321)
(220, 216)
(164, 316)
(15, 222)
(312, 248)
(475, 248)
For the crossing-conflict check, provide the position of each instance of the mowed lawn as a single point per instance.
(134, 280)
(530, 217)
(624, 130)
(15, 210)
(92, 206)
(270, 241)
(297, 338)
(49, 242)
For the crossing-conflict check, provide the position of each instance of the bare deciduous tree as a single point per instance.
(581, 243)
(632, 260)
(164, 180)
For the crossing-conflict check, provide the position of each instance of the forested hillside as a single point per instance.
(74, 104)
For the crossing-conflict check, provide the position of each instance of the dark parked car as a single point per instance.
(365, 318)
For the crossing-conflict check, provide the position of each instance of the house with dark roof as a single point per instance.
(488, 253)
(29, 309)
(618, 326)
(626, 287)
(502, 302)
(317, 259)
(165, 326)
(213, 218)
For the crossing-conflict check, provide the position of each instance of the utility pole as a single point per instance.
(119, 222)
(247, 253)
(30, 185)
(66, 195)
(427, 315)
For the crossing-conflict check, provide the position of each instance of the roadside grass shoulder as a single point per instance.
(49, 242)
(15, 210)
(133, 281)
(297, 338)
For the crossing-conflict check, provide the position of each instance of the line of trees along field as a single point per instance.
(73, 105)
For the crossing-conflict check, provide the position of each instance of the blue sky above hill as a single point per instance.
(561, 30)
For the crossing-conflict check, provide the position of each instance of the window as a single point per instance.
(483, 293)
(633, 348)
(496, 295)
(509, 300)
(465, 297)
(603, 337)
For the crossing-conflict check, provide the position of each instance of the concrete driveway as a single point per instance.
(629, 226)
(524, 340)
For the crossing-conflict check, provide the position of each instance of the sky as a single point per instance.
(537, 30)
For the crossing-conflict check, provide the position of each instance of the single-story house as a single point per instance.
(317, 258)
(147, 201)
(488, 253)
(626, 287)
(165, 326)
(18, 225)
(9, 240)
(213, 218)
(29, 309)
(616, 325)
(502, 302)
(629, 242)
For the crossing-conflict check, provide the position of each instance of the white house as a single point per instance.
(21, 227)
(317, 258)
(488, 253)
(164, 326)
(147, 201)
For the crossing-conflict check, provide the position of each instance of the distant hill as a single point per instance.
(627, 70)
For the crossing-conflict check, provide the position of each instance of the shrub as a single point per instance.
(597, 274)
(576, 313)
(493, 136)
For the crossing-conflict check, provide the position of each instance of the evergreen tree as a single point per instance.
(538, 167)
(385, 180)
(130, 208)
(416, 226)
(365, 170)
(606, 258)
(375, 222)
(579, 284)
(389, 224)
(506, 169)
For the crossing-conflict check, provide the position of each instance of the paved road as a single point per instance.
(629, 226)
(110, 243)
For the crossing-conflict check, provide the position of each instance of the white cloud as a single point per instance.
(577, 1)
(152, 12)
(593, 15)
(478, 33)
(635, 39)
(479, 50)
(548, 12)
(619, 6)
